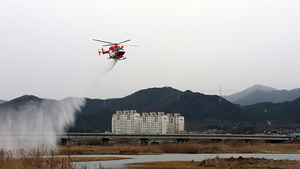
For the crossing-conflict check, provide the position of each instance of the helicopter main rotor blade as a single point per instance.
(132, 45)
(102, 41)
(123, 42)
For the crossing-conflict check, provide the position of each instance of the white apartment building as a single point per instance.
(153, 123)
(148, 123)
(125, 122)
(178, 123)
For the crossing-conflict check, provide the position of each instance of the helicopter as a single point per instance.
(115, 51)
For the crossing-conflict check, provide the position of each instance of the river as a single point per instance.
(121, 164)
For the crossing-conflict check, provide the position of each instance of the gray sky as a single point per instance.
(46, 47)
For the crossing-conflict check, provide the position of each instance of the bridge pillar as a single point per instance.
(246, 141)
(179, 140)
(144, 141)
(64, 141)
(216, 140)
(105, 141)
(182, 140)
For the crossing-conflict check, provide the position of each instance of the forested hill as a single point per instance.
(259, 94)
(200, 111)
(2, 101)
(277, 113)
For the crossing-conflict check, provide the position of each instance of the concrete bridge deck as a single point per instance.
(148, 137)
(176, 136)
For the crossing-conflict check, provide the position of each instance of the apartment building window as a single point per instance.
(156, 118)
(118, 117)
(128, 116)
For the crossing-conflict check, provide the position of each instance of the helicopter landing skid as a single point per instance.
(123, 58)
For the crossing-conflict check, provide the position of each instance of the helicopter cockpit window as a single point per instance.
(117, 49)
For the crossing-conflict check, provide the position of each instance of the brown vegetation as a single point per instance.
(165, 164)
(42, 158)
(32, 159)
(132, 147)
(46, 159)
(250, 163)
(232, 163)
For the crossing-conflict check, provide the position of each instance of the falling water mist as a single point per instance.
(88, 84)
(36, 122)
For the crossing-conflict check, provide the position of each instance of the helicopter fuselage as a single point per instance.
(116, 52)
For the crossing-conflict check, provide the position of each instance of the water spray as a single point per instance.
(36, 123)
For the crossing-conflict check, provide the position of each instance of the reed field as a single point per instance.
(35, 158)
(43, 158)
(131, 147)
(61, 157)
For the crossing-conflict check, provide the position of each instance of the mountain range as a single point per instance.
(248, 91)
(201, 112)
(259, 93)
(199, 109)
(2, 101)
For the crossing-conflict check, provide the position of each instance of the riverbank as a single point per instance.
(236, 163)
(82, 159)
(40, 158)
(35, 158)
(232, 147)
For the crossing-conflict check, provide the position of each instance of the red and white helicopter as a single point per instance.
(115, 51)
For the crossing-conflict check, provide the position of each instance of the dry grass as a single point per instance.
(195, 148)
(42, 159)
(165, 165)
(36, 158)
(231, 163)
(32, 159)
(115, 149)
(250, 163)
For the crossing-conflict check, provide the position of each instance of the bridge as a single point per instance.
(147, 138)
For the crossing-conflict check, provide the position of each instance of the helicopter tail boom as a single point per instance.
(102, 51)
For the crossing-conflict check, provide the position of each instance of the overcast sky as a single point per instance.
(46, 47)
